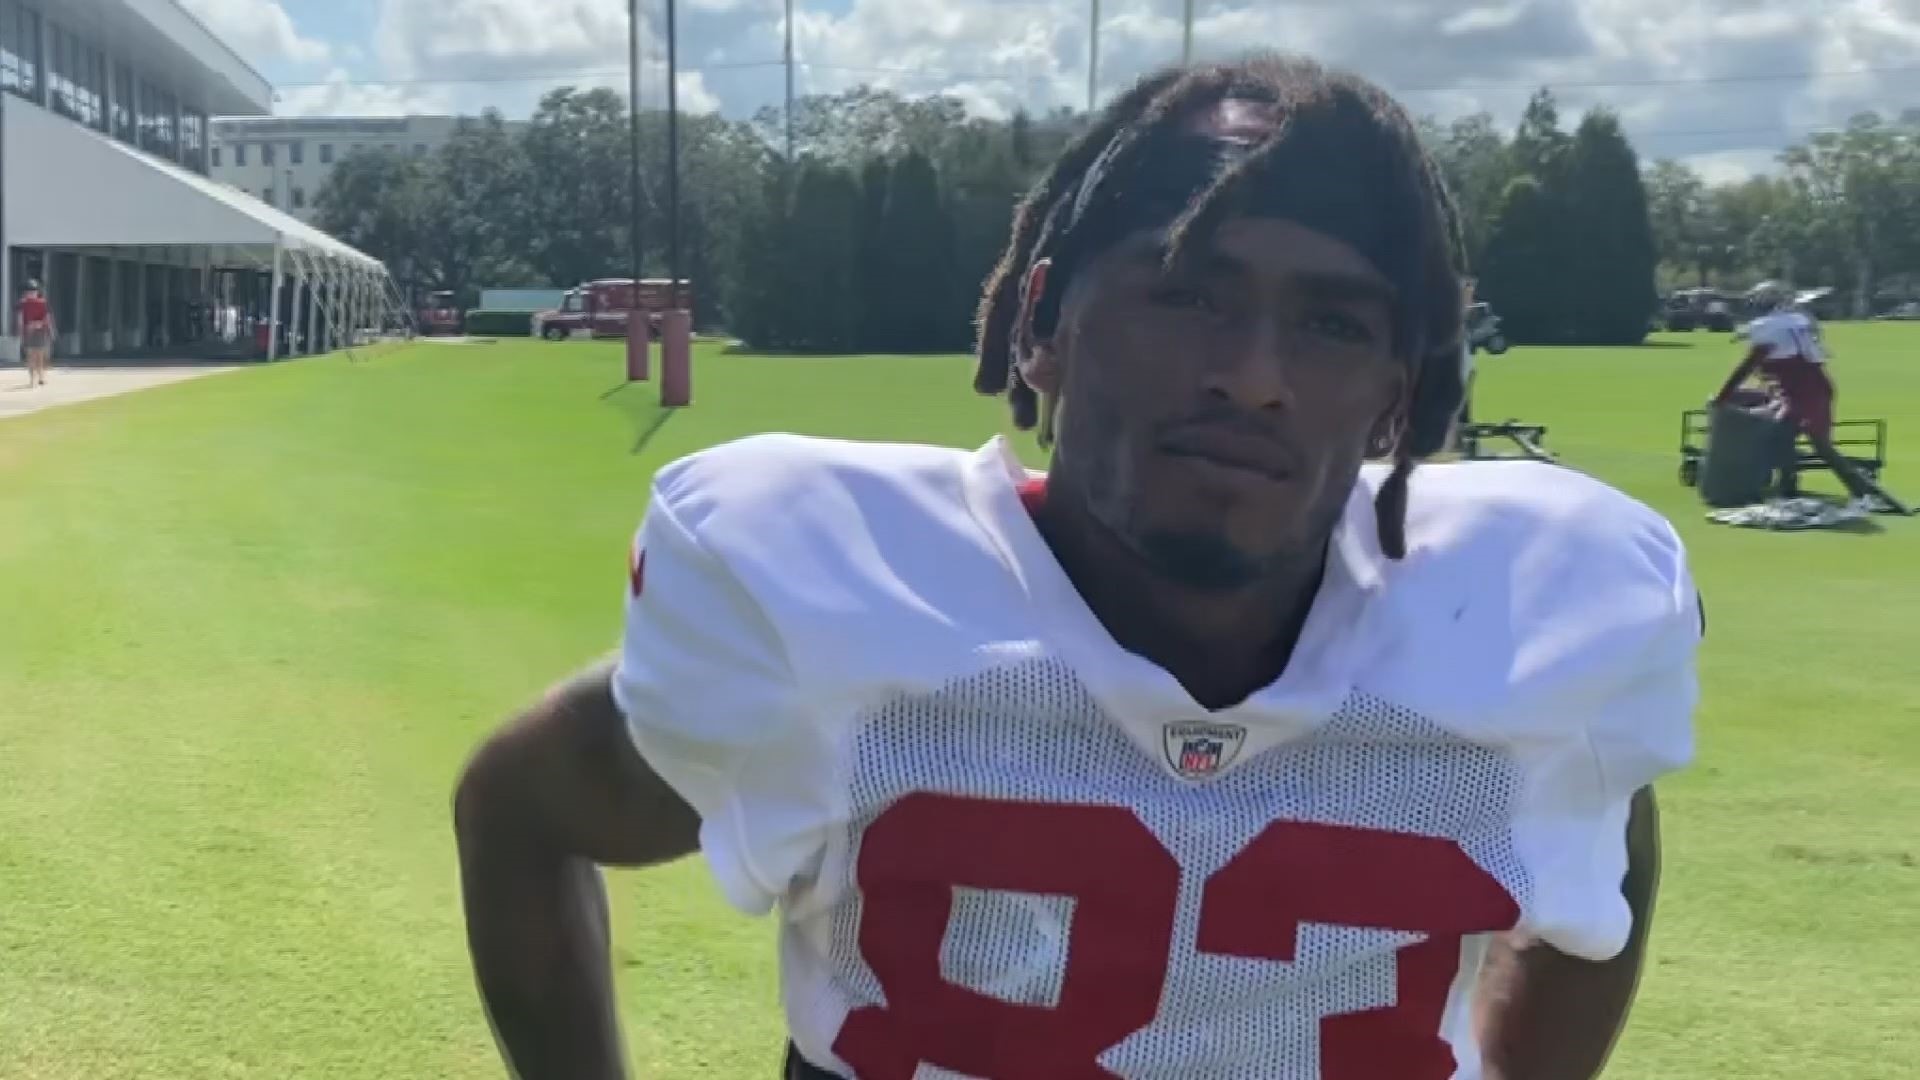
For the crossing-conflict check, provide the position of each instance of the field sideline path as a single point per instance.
(88, 381)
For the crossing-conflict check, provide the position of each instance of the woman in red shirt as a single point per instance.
(36, 333)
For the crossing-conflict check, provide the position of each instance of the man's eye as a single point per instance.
(1340, 327)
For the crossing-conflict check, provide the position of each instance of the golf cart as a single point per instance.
(1483, 330)
(1695, 309)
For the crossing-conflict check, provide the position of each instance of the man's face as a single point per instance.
(1215, 419)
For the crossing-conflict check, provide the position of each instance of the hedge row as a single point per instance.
(500, 323)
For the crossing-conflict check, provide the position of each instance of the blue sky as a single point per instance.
(1721, 83)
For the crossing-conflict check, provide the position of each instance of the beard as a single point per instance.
(1203, 561)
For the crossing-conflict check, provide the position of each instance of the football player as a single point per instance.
(1784, 346)
(1211, 751)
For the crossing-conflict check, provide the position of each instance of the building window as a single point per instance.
(193, 140)
(156, 111)
(267, 196)
(216, 157)
(419, 149)
(20, 49)
(76, 78)
(123, 91)
(299, 198)
(296, 152)
(326, 153)
(240, 155)
(59, 88)
(267, 154)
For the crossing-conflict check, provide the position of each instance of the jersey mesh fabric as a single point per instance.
(1027, 730)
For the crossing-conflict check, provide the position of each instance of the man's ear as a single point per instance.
(1039, 363)
(1390, 426)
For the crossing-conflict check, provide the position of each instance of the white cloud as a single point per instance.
(341, 95)
(694, 95)
(1732, 166)
(260, 29)
(1713, 80)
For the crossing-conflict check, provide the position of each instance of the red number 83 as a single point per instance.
(1125, 884)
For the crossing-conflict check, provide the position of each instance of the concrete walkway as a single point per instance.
(83, 381)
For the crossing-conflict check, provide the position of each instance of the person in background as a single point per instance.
(36, 333)
(1785, 348)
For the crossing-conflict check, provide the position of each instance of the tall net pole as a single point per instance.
(1093, 55)
(789, 61)
(633, 138)
(673, 160)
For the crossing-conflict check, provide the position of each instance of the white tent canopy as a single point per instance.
(69, 187)
(72, 187)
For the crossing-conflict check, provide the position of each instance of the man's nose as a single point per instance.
(1249, 368)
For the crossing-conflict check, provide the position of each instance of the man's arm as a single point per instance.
(555, 794)
(1754, 356)
(1544, 1015)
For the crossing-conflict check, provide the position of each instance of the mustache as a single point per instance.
(1232, 433)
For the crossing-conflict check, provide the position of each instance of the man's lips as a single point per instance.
(1231, 448)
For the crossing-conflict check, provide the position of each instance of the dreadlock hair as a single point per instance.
(1344, 159)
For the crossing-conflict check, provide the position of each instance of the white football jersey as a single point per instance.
(1788, 335)
(1004, 847)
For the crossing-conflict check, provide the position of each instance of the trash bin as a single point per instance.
(1744, 447)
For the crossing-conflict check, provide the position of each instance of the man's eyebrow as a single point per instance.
(1325, 285)
(1346, 287)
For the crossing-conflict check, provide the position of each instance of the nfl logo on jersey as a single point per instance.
(1197, 750)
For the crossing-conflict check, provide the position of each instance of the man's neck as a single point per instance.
(1220, 644)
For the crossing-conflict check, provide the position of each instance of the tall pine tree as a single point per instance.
(1611, 256)
(876, 273)
(1517, 274)
(823, 229)
(919, 236)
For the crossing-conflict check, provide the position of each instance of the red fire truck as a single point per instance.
(602, 307)
(438, 315)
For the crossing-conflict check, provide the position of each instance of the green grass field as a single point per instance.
(250, 625)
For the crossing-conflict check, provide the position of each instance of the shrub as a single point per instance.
(500, 323)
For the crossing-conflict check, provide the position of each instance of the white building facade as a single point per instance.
(285, 161)
(105, 197)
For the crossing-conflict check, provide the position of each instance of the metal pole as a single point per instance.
(1093, 55)
(6, 254)
(789, 60)
(673, 161)
(1186, 36)
(633, 119)
(273, 309)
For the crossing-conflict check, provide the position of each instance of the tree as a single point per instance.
(1860, 184)
(1611, 271)
(865, 121)
(919, 258)
(822, 229)
(723, 164)
(1474, 158)
(1534, 233)
(875, 274)
(759, 300)
(1520, 266)
(372, 201)
(578, 147)
(473, 210)
(1539, 146)
(1677, 207)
